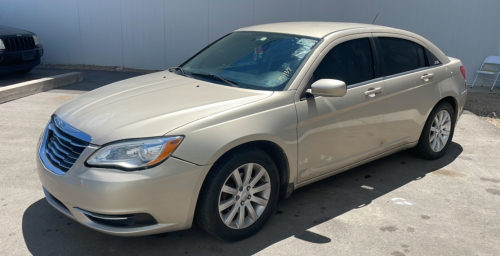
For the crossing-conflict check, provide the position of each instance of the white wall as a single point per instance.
(156, 34)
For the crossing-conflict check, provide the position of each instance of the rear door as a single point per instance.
(411, 88)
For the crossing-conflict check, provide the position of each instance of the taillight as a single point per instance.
(462, 68)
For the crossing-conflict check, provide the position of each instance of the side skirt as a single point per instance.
(345, 168)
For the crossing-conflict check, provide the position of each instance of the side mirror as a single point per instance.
(328, 88)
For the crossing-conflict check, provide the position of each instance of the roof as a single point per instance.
(322, 29)
(310, 29)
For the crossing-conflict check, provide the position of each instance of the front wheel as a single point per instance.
(239, 195)
(438, 132)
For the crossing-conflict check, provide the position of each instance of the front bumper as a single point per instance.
(12, 61)
(167, 192)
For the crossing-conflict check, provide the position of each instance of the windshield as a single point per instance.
(253, 60)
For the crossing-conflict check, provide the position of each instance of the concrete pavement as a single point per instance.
(20, 90)
(398, 205)
(36, 73)
(92, 78)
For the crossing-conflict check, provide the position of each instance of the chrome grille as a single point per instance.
(60, 150)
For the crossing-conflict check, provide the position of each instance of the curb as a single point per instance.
(20, 90)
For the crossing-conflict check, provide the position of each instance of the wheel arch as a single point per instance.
(207, 191)
(449, 99)
(453, 102)
(276, 152)
(424, 146)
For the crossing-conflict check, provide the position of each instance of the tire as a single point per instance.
(434, 150)
(223, 173)
(24, 71)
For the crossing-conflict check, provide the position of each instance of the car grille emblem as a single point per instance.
(63, 126)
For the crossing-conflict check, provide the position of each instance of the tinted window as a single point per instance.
(397, 55)
(350, 62)
(431, 59)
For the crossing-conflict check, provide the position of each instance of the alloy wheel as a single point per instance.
(244, 196)
(440, 131)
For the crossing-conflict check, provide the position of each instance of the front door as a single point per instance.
(334, 132)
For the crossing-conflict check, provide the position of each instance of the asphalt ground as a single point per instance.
(398, 205)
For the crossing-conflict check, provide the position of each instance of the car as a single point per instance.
(20, 50)
(255, 115)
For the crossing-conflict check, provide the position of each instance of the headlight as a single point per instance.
(35, 38)
(2, 46)
(135, 154)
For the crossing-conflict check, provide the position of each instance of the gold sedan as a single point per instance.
(255, 115)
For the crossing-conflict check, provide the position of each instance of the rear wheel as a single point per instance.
(239, 195)
(438, 132)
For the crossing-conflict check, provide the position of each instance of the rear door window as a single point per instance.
(350, 61)
(397, 55)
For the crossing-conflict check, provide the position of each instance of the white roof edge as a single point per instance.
(310, 29)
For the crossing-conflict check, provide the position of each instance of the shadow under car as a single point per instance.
(48, 232)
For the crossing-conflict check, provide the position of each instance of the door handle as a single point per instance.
(426, 77)
(373, 91)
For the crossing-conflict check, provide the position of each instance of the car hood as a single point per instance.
(8, 31)
(150, 105)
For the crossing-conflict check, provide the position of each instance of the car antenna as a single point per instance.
(375, 18)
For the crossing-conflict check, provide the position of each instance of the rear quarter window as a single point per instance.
(431, 59)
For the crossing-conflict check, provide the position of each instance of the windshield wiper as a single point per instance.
(178, 69)
(232, 83)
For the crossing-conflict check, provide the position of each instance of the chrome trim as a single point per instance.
(61, 136)
(70, 129)
(100, 216)
(46, 163)
(383, 78)
(68, 154)
(62, 144)
(57, 154)
(51, 156)
(409, 72)
(378, 79)
(62, 150)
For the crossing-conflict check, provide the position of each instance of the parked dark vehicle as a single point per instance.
(20, 50)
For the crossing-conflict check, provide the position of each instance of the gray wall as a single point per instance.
(156, 34)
